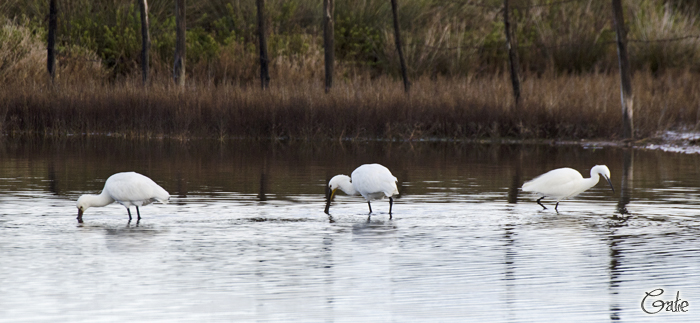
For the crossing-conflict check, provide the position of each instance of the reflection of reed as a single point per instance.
(625, 189)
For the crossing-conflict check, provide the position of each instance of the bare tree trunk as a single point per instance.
(512, 46)
(264, 71)
(328, 41)
(625, 75)
(179, 65)
(51, 47)
(145, 40)
(397, 38)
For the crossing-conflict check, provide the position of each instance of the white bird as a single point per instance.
(372, 181)
(562, 183)
(127, 189)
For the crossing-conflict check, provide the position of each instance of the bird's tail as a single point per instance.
(526, 186)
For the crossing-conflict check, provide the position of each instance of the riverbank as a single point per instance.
(569, 107)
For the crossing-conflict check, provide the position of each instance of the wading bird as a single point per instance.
(372, 181)
(562, 183)
(126, 189)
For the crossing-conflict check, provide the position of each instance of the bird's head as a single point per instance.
(603, 171)
(82, 205)
(336, 182)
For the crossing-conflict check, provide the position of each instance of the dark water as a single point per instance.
(245, 237)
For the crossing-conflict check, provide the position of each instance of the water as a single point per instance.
(245, 237)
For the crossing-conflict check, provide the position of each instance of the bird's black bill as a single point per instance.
(609, 182)
(80, 216)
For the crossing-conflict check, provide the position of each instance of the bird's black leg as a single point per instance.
(391, 204)
(538, 202)
(129, 212)
(138, 213)
(556, 206)
(370, 207)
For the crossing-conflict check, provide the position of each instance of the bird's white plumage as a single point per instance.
(372, 181)
(559, 183)
(127, 189)
(562, 183)
(132, 188)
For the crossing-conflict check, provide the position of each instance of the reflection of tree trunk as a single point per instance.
(625, 189)
(53, 183)
(509, 271)
(514, 186)
(263, 181)
(614, 273)
(181, 186)
(263, 186)
(516, 182)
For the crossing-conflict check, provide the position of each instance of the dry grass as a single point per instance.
(562, 107)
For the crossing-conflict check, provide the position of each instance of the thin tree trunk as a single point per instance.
(179, 65)
(51, 46)
(328, 41)
(513, 63)
(264, 72)
(145, 40)
(625, 75)
(397, 38)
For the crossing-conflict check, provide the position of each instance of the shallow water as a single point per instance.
(245, 237)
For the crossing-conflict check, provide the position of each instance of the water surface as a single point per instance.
(245, 237)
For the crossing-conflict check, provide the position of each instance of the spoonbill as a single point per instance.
(562, 183)
(372, 181)
(127, 189)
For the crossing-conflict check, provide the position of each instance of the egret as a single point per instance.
(127, 189)
(372, 181)
(562, 183)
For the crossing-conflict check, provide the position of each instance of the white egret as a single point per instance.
(562, 183)
(372, 181)
(127, 189)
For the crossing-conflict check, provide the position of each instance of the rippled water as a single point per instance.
(245, 237)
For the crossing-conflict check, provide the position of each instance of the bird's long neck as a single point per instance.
(347, 187)
(591, 181)
(99, 200)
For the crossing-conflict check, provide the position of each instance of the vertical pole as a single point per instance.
(179, 66)
(145, 40)
(397, 38)
(264, 71)
(51, 47)
(511, 45)
(625, 76)
(328, 41)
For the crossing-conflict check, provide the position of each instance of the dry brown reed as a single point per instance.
(580, 106)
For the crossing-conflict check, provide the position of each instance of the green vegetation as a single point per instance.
(455, 53)
(448, 38)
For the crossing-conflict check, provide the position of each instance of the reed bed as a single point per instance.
(553, 107)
